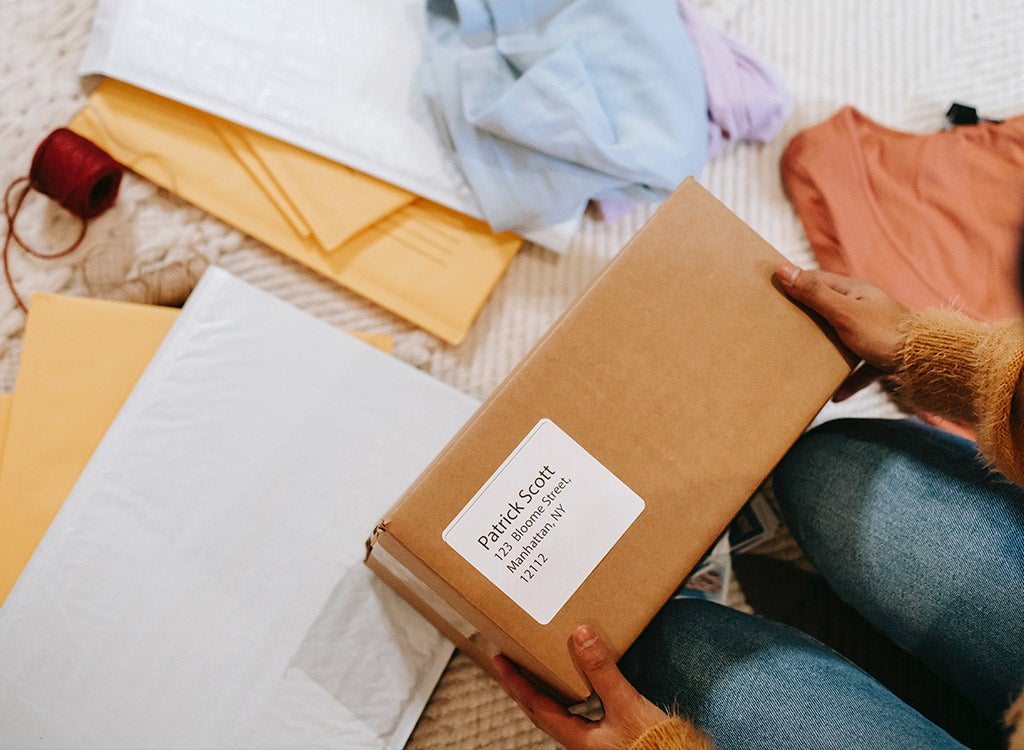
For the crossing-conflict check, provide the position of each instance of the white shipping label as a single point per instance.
(543, 521)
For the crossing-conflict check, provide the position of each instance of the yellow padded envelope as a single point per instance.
(79, 361)
(426, 263)
(73, 377)
(5, 408)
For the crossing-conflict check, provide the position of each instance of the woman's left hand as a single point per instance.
(870, 322)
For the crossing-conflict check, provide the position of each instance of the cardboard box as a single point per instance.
(595, 477)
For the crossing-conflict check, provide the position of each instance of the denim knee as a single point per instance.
(750, 682)
(913, 530)
(841, 470)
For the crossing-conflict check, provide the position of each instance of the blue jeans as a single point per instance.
(910, 529)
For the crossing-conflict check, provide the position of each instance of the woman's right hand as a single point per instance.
(627, 714)
(870, 322)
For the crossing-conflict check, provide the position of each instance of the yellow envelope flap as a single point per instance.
(337, 202)
(235, 140)
(175, 147)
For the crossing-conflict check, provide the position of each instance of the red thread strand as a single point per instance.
(73, 171)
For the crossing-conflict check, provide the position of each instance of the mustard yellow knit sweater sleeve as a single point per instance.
(674, 733)
(973, 373)
(970, 372)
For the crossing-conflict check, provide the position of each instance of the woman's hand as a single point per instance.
(870, 322)
(627, 714)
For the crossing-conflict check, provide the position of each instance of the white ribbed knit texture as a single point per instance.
(900, 62)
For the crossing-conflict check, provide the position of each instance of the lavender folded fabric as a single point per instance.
(747, 97)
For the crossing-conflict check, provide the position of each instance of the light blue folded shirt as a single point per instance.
(550, 103)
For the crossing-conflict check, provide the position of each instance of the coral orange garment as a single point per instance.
(933, 219)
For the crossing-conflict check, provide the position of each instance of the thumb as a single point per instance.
(599, 666)
(813, 288)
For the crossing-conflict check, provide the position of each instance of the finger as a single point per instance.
(545, 713)
(789, 274)
(859, 379)
(816, 290)
(820, 289)
(599, 666)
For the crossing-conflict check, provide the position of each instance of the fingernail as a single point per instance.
(584, 636)
(503, 669)
(788, 272)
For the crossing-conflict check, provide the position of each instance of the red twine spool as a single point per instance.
(73, 171)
